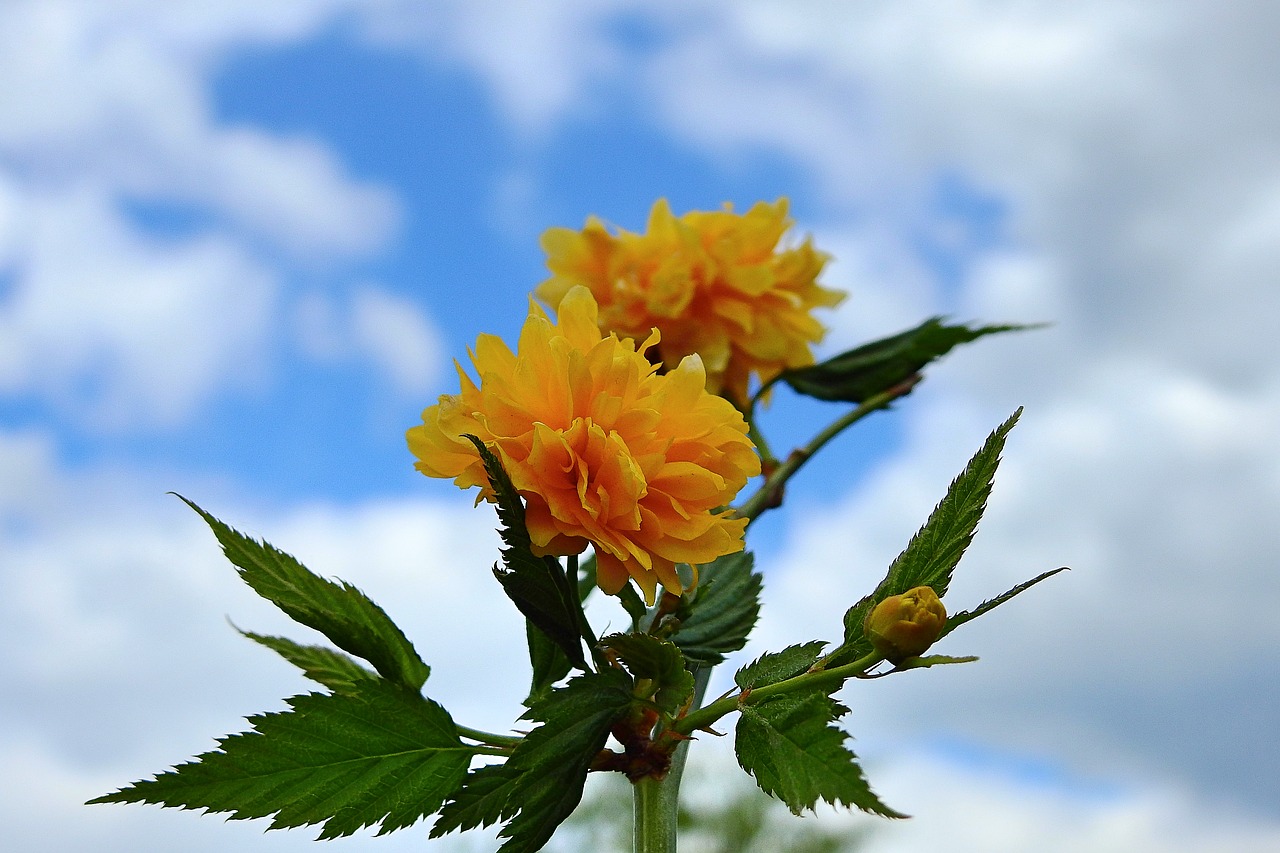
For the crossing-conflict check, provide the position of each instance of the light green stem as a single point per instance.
(657, 801)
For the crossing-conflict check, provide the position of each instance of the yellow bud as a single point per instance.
(904, 626)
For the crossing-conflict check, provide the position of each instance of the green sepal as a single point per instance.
(720, 614)
(957, 619)
(872, 368)
(538, 586)
(374, 754)
(655, 660)
(772, 667)
(321, 664)
(934, 551)
(341, 612)
(785, 742)
(541, 783)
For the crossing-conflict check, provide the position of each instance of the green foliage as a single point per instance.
(772, 667)
(541, 783)
(934, 551)
(872, 368)
(331, 668)
(719, 616)
(537, 585)
(655, 660)
(548, 661)
(338, 610)
(374, 753)
(955, 620)
(785, 742)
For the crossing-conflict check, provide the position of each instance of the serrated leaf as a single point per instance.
(341, 612)
(717, 619)
(649, 657)
(772, 667)
(541, 783)
(376, 754)
(872, 368)
(785, 742)
(536, 585)
(327, 666)
(934, 551)
(955, 620)
(548, 662)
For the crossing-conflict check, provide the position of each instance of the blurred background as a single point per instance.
(240, 244)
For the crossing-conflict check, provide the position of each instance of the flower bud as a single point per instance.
(904, 626)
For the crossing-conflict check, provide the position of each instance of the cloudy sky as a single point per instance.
(240, 243)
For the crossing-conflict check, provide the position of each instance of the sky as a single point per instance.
(241, 243)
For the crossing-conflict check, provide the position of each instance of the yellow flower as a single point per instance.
(603, 448)
(712, 282)
(905, 626)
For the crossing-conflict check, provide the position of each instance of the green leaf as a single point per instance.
(659, 661)
(772, 667)
(549, 663)
(933, 553)
(377, 754)
(719, 616)
(785, 742)
(955, 620)
(331, 668)
(872, 368)
(538, 586)
(541, 783)
(341, 612)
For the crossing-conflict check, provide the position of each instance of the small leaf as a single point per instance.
(785, 742)
(538, 586)
(377, 754)
(648, 657)
(933, 553)
(719, 616)
(958, 619)
(341, 612)
(872, 368)
(772, 667)
(331, 668)
(542, 781)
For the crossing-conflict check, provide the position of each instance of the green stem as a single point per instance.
(504, 742)
(766, 496)
(704, 717)
(657, 801)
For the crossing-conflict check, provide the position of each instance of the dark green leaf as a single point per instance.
(542, 781)
(933, 553)
(785, 742)
(549, 663)
(331, 668)
(719, 616)
(659, 661)
(870, 369)
(955, 620)
(772, 667)
(376, 754)
(538, 586)
(338, 610)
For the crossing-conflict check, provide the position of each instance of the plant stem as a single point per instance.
(505, 742)
(704, 717)
(765, 496)
(657, 801)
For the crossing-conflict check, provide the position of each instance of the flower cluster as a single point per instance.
(605, 449)
(713, 283)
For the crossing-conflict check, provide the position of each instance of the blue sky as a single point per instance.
(239, 248)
